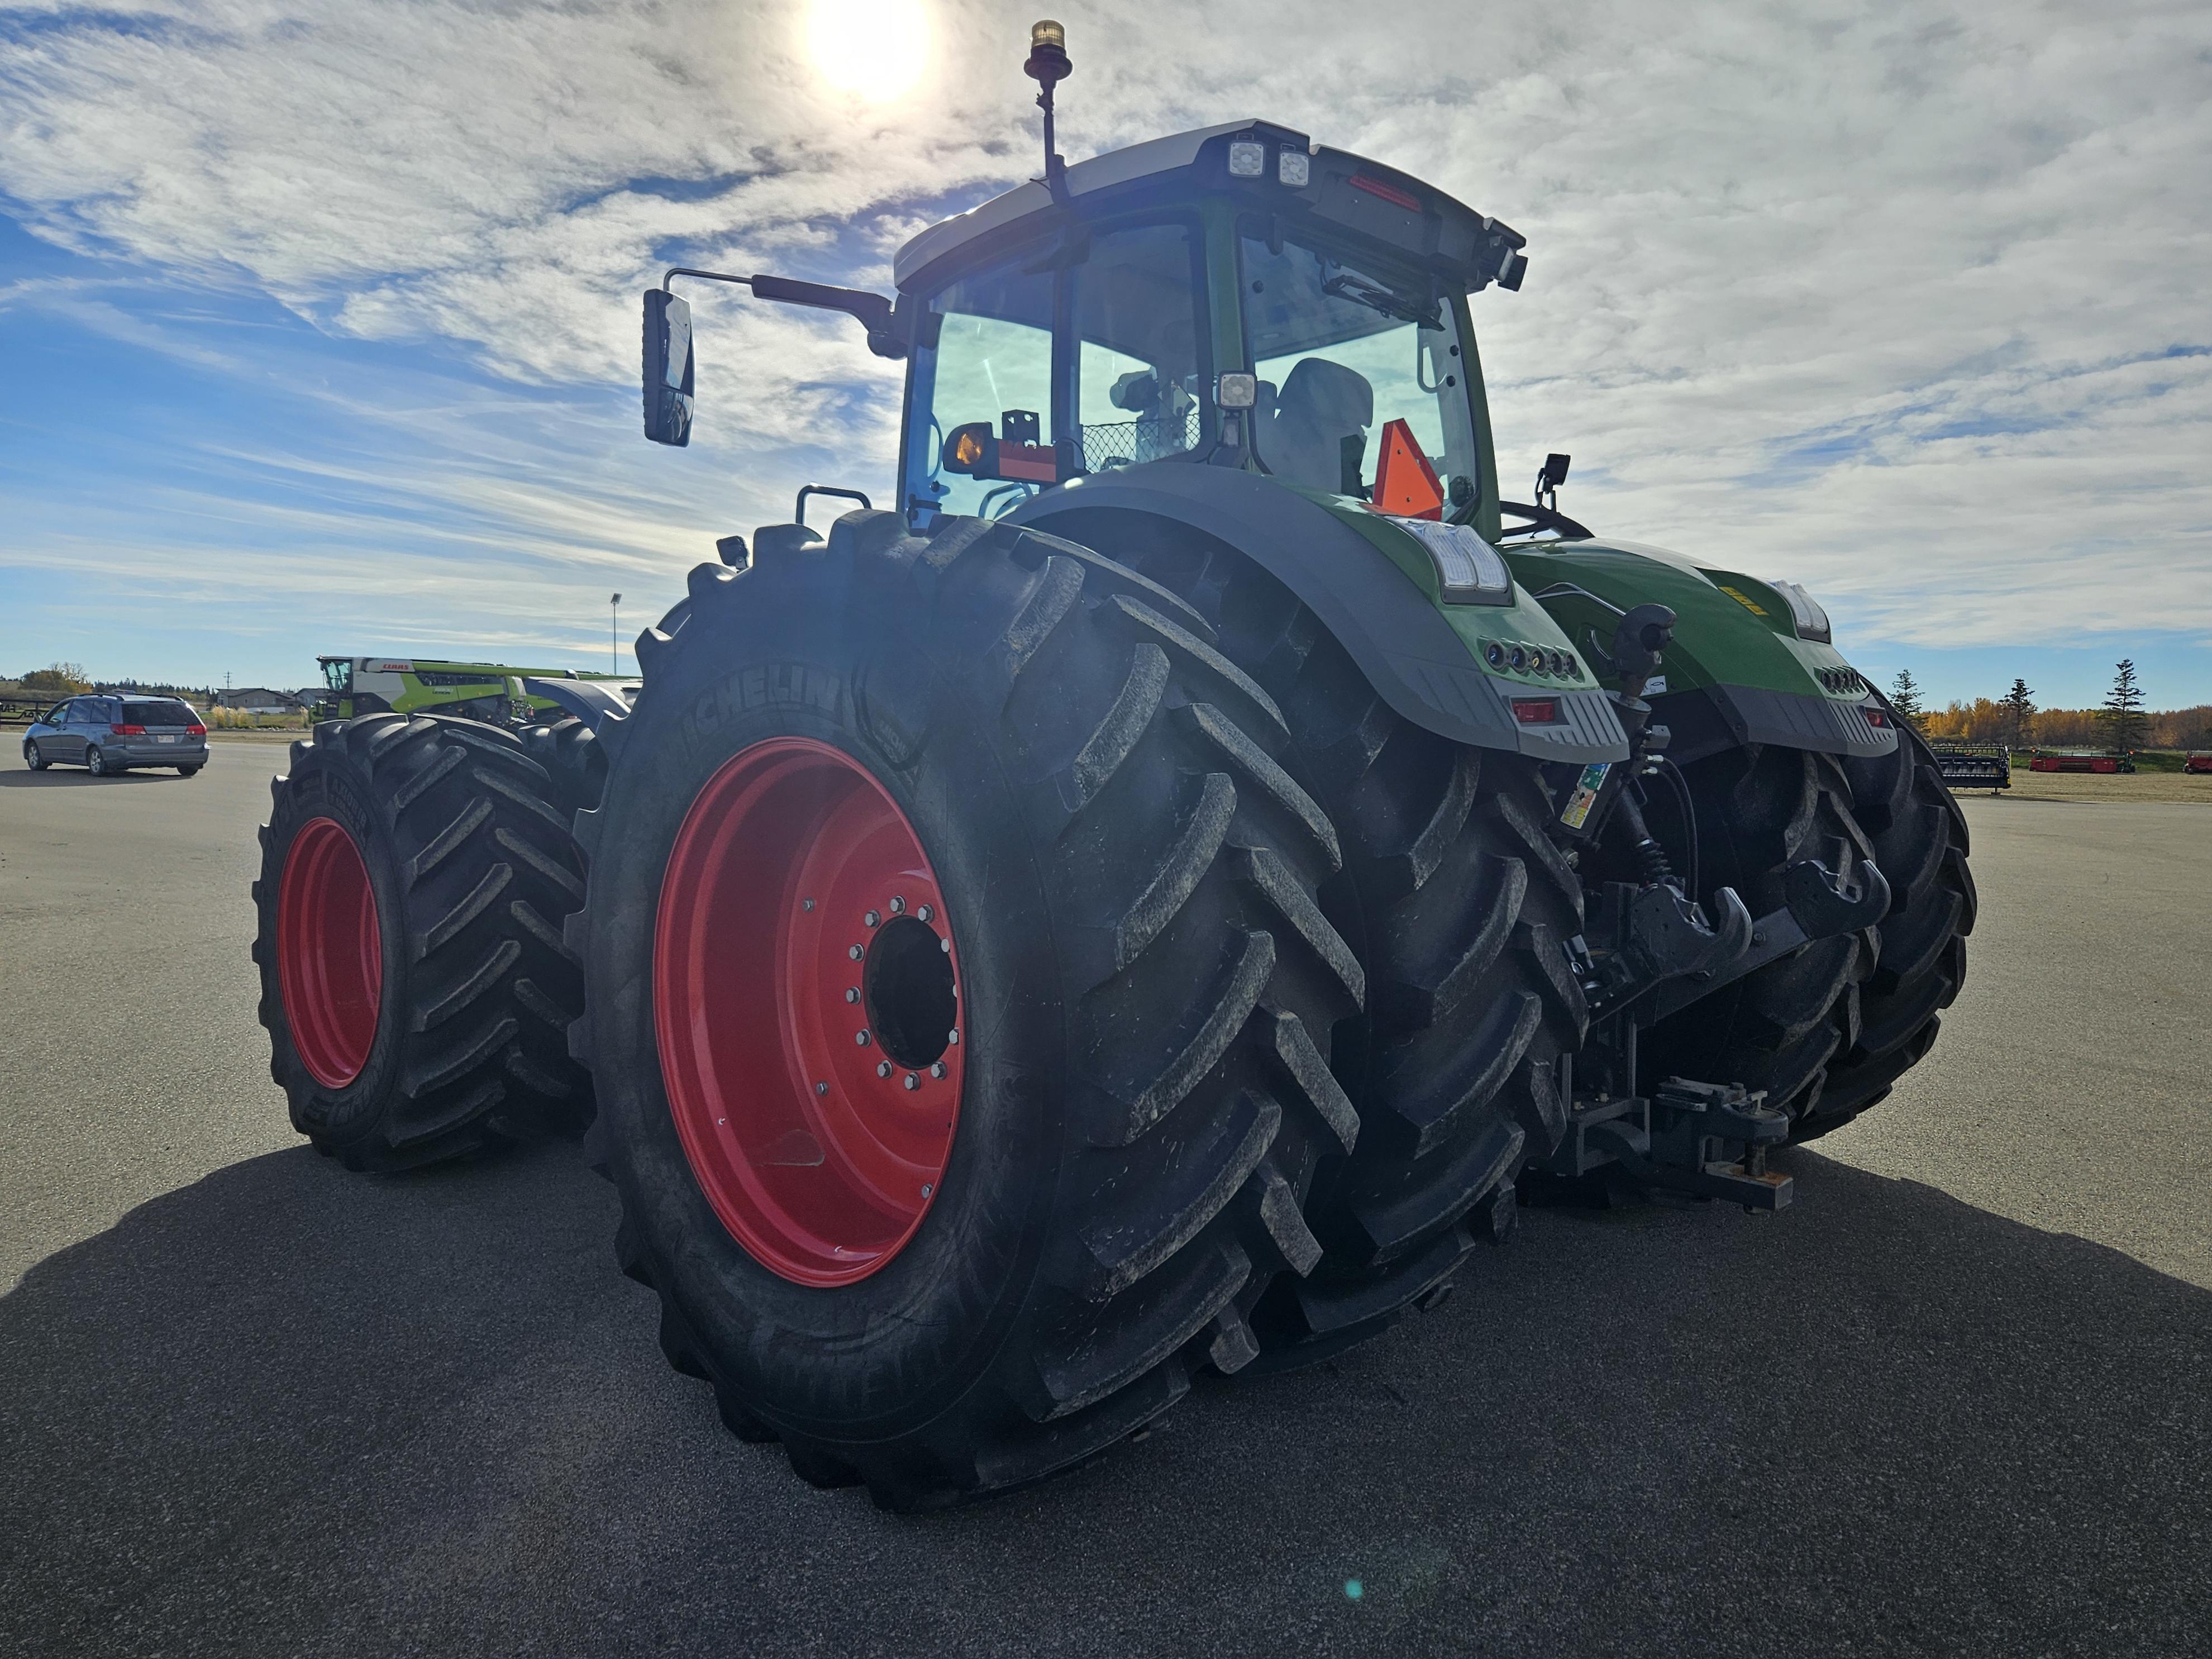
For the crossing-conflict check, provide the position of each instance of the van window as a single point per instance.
(166, 713)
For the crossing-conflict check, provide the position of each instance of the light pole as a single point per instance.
(614, 634)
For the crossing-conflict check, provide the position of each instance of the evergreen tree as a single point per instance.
(1905, 697)
(2019, 710)
(2123, 713)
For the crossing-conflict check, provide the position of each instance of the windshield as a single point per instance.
(337, 673)
(1344, 352)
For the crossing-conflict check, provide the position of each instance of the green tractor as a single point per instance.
(1157, 897)
(493, 692)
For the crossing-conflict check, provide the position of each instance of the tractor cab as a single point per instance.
(1237, 296)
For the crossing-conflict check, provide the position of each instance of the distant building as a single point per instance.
(259, 700)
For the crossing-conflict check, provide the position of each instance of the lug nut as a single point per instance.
(912, 1081)
(854, 952)
(851, 993)
(946, 945)
(952, 1036)
(821, 1088)
(937, 1070)
(925, 913)
(898, 905)
(882, 1069)
(874, 918)
(928, 1188)
(806, 904)
(860, 1037)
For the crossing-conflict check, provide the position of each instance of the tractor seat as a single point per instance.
(1321, 404)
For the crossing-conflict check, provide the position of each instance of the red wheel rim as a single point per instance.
(805, 1004)
(330, 952)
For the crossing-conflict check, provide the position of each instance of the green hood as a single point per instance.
(1731, 629)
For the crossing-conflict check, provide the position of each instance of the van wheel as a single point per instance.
(188, 771)
(95, 763)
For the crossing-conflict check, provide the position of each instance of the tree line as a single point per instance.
(2121, 723)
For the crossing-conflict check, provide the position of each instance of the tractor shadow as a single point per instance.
(286, 1411)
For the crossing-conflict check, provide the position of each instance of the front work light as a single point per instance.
(1468, 569)
(1248, 159)
(1805, 613)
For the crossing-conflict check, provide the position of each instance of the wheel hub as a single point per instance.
(806, 1009)
(330, 952)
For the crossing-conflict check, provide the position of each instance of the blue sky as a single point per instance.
(318, 323)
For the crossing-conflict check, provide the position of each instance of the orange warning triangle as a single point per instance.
(1405, 483)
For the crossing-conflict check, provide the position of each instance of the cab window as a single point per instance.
(1346, 348)
(1138, 362)
(1064, 361)
(988, 383)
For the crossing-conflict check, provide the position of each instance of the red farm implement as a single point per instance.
(2080, 763)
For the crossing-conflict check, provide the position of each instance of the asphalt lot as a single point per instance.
(1959, 1398)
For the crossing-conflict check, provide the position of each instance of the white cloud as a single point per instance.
(1871, 294)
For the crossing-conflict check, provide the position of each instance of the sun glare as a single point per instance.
(873, 49)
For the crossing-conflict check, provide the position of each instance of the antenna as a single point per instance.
(1047, 66)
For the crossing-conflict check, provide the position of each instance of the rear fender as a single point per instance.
(1736, 672)
(1372, 586)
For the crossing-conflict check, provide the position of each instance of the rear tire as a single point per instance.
(188, 771)
(572, 757)
(416, 990)
(95, 763)
(1919, 837)
(1760, 809)
(1459, 907)
(1142, 977)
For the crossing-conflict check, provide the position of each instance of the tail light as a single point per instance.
(196, 731)
(128, 731)
(1536, 711)
(1388, 192)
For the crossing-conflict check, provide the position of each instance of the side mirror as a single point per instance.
(667, 368)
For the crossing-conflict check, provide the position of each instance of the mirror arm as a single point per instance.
(873, 311)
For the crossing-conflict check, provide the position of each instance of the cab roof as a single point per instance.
(1360, 196)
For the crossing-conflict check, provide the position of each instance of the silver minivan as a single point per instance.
(112, 733)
